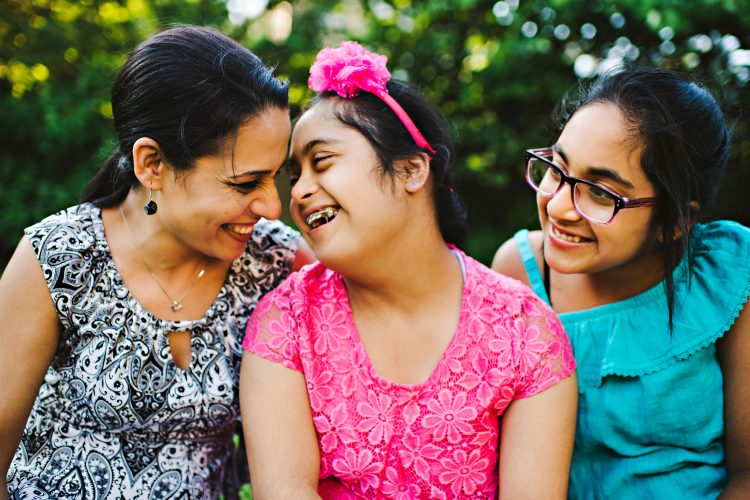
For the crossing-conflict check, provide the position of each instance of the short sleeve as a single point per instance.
(272, 330)
(541, 347)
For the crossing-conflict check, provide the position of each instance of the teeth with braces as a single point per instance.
(321, 217)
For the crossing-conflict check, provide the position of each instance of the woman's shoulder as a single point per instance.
(270, 234)
(313, 281)
(74, 229)
(269, 253)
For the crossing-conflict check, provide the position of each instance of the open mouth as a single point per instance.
(568, 237)
(323, 216)
(239, 229)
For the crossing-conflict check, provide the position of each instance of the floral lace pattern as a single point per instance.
(115, 418)
(437, 439)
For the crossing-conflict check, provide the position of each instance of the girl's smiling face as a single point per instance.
(597, 144)
(341, 201)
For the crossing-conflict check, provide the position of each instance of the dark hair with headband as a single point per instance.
(187, 88)
(685, 147)
(398, 127)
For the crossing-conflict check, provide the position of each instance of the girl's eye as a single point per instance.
(320, 158)
(293, 179)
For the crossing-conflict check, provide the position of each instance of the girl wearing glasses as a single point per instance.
(653, 302)
(396, 366)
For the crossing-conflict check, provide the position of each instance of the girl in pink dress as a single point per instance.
(396, 366)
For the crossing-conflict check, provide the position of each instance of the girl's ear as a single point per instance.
(416, 172)
(693, 210)
(147, 163)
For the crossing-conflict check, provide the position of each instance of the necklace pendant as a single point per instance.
(176, 306)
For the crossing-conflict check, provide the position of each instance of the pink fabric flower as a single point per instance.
(377, 415)
(449, 415)
(348, 69)
(334, 428)
(358, 467)
(330, 327)
(528, 343)
(398, 487)
(464, 472)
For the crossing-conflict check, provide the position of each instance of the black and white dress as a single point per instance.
(115, 417)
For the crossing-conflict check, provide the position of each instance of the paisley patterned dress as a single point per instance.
(115, 417)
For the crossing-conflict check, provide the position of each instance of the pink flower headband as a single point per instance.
(351, 68)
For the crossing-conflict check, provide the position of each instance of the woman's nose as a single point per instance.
(267, 204)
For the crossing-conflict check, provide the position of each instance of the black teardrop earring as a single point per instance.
(150, 207)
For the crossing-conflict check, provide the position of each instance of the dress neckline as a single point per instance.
(167, 325)
(455, 338)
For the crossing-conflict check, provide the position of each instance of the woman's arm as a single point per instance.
(536, 443)
(734, 356)
(282, 445)
(29, 333)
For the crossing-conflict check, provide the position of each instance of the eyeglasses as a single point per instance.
(592, 201)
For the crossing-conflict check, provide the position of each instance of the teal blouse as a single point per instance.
(650, 410)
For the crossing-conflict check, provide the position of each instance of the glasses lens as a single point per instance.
(596, 204)
(543, 178)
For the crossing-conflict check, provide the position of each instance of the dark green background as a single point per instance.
(497, 77)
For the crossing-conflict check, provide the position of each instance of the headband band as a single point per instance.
(350, 68)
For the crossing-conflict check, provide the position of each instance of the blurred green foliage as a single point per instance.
(497, 69)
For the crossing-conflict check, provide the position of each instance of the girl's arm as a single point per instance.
(282, 444)
(29, 333)
(734, 356)
(536, 443)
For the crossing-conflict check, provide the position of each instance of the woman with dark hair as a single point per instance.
(654, 302)
(129, 309)
(396, 366)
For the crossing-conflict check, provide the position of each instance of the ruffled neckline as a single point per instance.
(634, 335)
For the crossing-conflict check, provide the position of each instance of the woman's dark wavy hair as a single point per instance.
(371, 117)
(685, 142)
(188, 88)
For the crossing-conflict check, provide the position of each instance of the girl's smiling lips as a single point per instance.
(566, 239)
(318, 215)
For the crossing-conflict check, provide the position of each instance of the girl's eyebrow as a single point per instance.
(293, 162)
(601, 172)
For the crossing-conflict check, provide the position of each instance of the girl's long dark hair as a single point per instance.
(685, 148)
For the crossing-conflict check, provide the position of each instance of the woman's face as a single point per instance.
(342, 204)
(213, 207)
(597, 145)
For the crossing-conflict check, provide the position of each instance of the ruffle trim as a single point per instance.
(633, 336)
(692, 350)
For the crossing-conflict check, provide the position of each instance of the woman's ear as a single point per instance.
(416, 172)
(147, 163)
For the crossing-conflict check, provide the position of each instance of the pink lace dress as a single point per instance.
(437, 439)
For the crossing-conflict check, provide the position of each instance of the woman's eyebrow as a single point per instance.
(259, 173)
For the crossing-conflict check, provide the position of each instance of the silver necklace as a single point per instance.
(176, 304)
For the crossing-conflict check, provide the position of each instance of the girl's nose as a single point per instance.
(561, 206)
